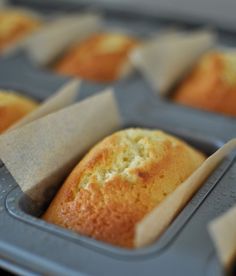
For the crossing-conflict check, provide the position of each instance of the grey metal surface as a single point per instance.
(212, 12)
(184, 249)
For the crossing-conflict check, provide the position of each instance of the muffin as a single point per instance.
(101, 58)
(211, 85)
(119, 181)
(14, 25)
(12, 108)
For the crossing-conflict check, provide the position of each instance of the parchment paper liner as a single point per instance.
(154, 223)
(223, 233)
(65, 96)
(164, 60)
(40, 154)
(44, 46)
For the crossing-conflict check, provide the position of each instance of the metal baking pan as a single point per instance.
(140, 23)
(23, 228)
(31, 246)
(23, 208)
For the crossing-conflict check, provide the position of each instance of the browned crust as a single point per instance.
(108, 211)
(14, 109)
(22, 26)
(205, 87)
(85, 60)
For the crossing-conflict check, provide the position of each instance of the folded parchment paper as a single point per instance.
(164, 60)
(44, 46)
(66, 95)
(223, 233)
(153, 225)
(40, 154)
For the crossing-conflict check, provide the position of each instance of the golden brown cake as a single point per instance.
(211, 85)
(119, 181)
(99, 58)
(15, 25)
(13, 107)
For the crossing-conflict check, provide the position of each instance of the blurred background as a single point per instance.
(216, 12)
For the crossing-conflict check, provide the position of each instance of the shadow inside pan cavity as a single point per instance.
(27, 205)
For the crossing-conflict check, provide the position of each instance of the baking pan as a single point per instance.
(23, 228)
(29, 245)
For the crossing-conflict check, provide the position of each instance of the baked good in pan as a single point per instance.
(211, 85)
(102, 57)
(13, 107)
(119, 181)
(14, 25)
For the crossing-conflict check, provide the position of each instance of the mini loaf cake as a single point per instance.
(13, 107)
(14, 25)
(211, 85)
(102, 57)
(119, 181)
